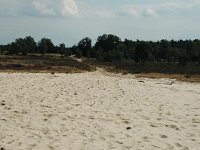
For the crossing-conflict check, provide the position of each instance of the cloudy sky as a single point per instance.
(68, 21)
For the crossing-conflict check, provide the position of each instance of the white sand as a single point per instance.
(91, 111)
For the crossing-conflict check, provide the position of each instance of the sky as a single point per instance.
(68, 21)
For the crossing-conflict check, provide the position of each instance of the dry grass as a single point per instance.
(56, 64)
(47, 64)
(179, 77)
(189, 73)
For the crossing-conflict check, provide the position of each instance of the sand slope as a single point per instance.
(96, 111)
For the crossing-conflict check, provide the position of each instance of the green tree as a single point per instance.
(45, 46)
(142, 52)
(164, 48)
(129, 51)
(193, 48)
(21, 46)
(107, 42)
(75, 51)
(172, 55)
(30, 44)
(62, 49)
(85, 46)
(182, 56)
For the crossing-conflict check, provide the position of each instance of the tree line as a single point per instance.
(111, 48)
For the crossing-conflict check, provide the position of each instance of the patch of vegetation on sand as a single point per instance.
(188, 73)
(46, 64)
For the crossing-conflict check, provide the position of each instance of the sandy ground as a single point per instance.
(93, 111)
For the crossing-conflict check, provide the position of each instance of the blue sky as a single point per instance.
(68, 21)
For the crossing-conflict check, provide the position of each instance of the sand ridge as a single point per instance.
(97, 111)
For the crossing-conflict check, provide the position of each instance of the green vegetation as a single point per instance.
(37, 63)
(144, 57)
(110, 48)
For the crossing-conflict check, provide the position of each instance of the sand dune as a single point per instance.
(97, 111)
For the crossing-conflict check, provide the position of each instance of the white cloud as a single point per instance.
(12, 8)
(174, 7)
(126, 14)
(43, 8)
(105, 14)
(56, 8)
(159, 8)
(150, 12)
(133, 12)
(69, 7)
(129, 10)
(85, 8)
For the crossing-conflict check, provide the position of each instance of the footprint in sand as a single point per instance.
(32, 145)
(2, 148)
(45, 119)
(51, 147)
(3, 104)
(126, 122)
(10, 142)
(163, 136)
(178, 145)
(195, 120)
(128, 128)
(145, 117)
(119, 142)
(156, 146)
(185, 148)
(146, 139)
(111, 136)
(159, 119)
(173, 127)
(153, 126)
